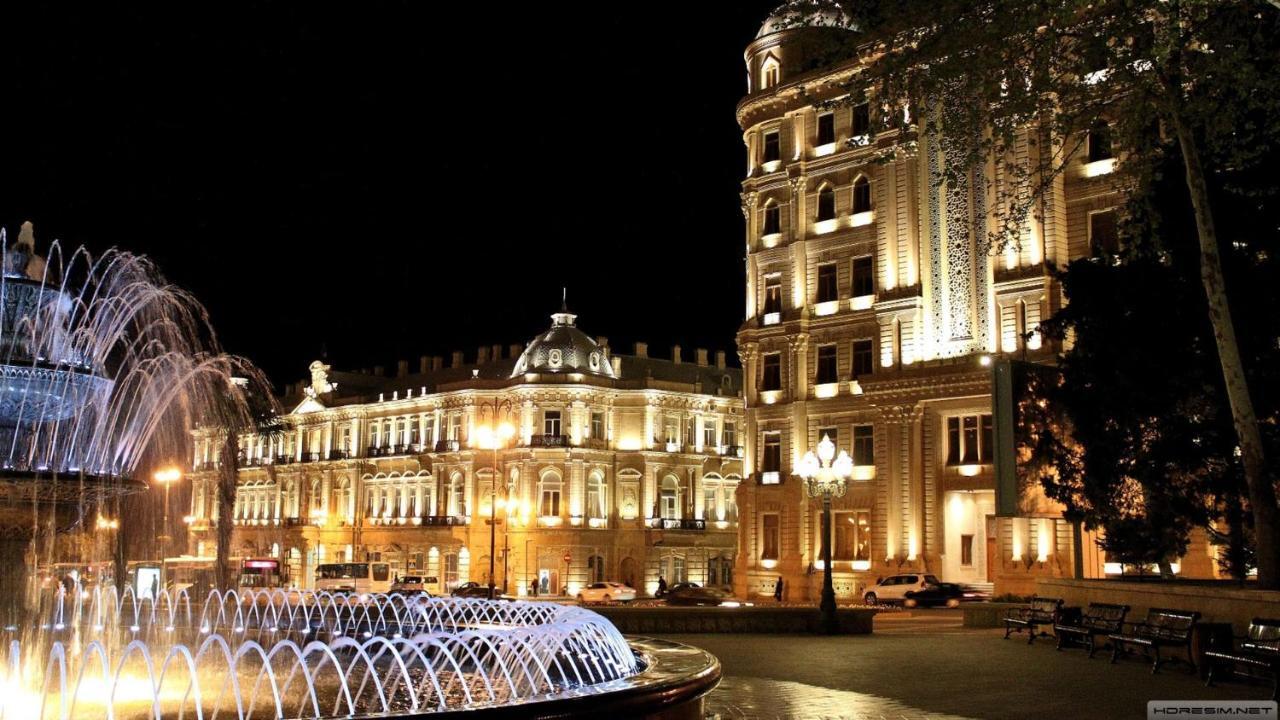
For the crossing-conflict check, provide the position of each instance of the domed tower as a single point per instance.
(800, 36)
(563, 348)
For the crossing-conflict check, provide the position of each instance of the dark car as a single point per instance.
(944, 594)
(694, 594)
(471, 590)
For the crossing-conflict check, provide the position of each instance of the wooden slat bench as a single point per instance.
(1162, 628)
(1258, 651)
(1084, 627)
(1041, 611)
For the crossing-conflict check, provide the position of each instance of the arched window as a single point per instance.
(457, 496)
(770, 73)
(861, 195)
(597, 502)
(549, 495)
(669, 499)
(826, 203)
(772, 217)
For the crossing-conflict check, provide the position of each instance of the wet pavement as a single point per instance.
(924, 664)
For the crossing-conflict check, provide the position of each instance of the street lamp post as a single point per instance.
(494, 435)
(826, 479)
(166, 477)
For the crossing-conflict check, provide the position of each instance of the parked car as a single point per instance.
(694, 594)
(894, 589)
(410, 584)
(471, 590)
(606, 592)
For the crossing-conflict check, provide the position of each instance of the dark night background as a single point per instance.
(388, 180)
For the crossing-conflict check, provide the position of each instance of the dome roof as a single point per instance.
(806, 13)
(564, 348)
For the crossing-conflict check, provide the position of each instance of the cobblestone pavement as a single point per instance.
(925, 665)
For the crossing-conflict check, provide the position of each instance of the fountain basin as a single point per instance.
(672, 686)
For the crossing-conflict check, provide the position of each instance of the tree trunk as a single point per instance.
(1262, 494)
(227, 471)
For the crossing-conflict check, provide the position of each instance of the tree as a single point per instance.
(249, 409)
(996, 77)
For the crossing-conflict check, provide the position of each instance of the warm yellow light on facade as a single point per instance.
(166, 475)
(1099, 168)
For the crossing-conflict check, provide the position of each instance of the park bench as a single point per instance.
(1162, 628)
(1039, 612)
(1258, 651)
(1083, 627)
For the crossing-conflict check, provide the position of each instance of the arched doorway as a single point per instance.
(627, 572)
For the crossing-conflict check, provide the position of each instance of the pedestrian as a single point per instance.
(533, 587)
(155, 587)
(777, 589)
(662, 586)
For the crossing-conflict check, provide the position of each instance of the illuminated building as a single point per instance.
(627, 465)
(874, 309)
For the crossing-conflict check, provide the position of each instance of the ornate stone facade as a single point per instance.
(627, 465)
(875, 305)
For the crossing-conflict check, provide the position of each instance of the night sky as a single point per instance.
(389, 180)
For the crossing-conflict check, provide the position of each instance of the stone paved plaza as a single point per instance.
(925, 665)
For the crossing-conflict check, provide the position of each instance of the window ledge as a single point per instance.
(862, 302)
(771, 166)
(1098, 168)
(771, 318)
(830, 307)
(863, 218)
(824, 149)
(770, 477)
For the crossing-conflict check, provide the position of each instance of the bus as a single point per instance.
(263, 573)
(356, 577)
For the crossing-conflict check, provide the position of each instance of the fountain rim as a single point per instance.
(10, 476)
(674, 674)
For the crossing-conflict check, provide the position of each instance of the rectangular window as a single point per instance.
(969, 428)
(550, 505)
(730, 433)
(771, 458)
(830, 433)
(864, 445)
(551, 423)
(773, 294)
(709, 433)
(1104, 237)
(769, 536)
(861, 121)
(1100, 143)
(597, 425)
(671, 429)
(844, 526)
(986, 450)
(455, 428)
(966, 550)
(828, 289)
(771, 368)
(863, 361)
(969, 440)
(826, 365)
(826, 128)
(772, 219)
(864, 276)
(772, 146)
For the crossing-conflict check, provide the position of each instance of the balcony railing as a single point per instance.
(678, 524)
(551, 441)
(294, 522)
(447, 446)
(389, 450)
(444, 520)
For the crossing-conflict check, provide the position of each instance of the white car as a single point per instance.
(606, 592)
(894, 589)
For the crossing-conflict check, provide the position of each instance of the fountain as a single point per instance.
(101, 362)
(94, 352)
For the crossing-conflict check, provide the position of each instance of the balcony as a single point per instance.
(678, 524)
(282, 460)
(447, 446)
(294, 522)
(339, 455)
(549, 441)
(310, 457)
(444, 520)
(391, 450)
(732, 451)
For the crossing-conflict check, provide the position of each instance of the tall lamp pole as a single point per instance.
(826, 476)
(494, 436)
(166, 477)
